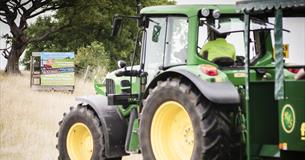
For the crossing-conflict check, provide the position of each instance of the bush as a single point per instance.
(93, 55)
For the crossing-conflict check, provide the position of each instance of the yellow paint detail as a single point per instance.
(239, 74)
(171, 133)
(218, 79)
(285, 51)
(283, 117)
(79, 142)
(303, 131)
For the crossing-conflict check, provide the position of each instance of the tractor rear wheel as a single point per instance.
(178, 122)
(80, 136)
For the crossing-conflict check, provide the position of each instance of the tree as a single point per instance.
(92, 22)
(16, 13)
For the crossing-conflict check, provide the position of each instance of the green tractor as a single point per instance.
(181, 104)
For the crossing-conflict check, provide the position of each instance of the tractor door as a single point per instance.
(166, 44)
(154, 46)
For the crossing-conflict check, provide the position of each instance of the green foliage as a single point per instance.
(93, 55)
(90, 21)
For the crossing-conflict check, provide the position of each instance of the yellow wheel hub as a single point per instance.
(171, 134)
(79, 142)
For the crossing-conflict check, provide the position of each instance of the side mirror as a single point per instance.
(143, 21)
(121, 64)
(116, 25)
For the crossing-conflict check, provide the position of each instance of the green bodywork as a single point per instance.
(291, 119)
(263, 131)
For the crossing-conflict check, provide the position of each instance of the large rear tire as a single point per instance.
(80, 136)
(178, 122)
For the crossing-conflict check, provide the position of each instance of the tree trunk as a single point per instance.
(12, 66)
(19, 44)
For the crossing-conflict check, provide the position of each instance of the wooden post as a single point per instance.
(31, 71)
(86, 73)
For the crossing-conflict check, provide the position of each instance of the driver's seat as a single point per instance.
(220, 61)
(223, 61)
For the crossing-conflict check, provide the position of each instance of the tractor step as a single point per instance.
(122, 99)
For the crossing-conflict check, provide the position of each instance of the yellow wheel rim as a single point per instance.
(171, 133)
(79, 142)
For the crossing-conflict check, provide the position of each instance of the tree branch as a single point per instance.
(16, 2)
(2, 20)
(9, 15)
(22, 6)
(18, 10)
(5, 52)
(4, 55)
(42, 11)
(25, 3)
(47, 33)
(35, 5)
(11, 4)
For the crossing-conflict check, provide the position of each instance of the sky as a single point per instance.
(3, 30)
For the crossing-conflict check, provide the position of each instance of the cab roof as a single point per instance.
(188, 10)
(259, 5)
(293, 8)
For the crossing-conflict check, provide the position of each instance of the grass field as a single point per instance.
(29, 119)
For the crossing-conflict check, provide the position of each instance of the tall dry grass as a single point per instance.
(29, 119)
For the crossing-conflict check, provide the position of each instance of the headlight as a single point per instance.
(205, 12)
(216, 13)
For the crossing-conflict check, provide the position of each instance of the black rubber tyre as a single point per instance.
(211, 123)
(81, 114)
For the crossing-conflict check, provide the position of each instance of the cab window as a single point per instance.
(232, 28)
(176, 41)
(155, 43)
(166, 42)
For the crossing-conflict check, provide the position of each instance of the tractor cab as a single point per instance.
(275, 107)
(180, 35)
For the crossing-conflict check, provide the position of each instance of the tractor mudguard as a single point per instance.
(114, 127)
(220, 92)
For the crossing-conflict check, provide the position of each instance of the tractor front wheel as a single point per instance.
(80, 136)
(178, 122)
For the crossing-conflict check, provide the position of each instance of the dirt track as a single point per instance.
(29, 119)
